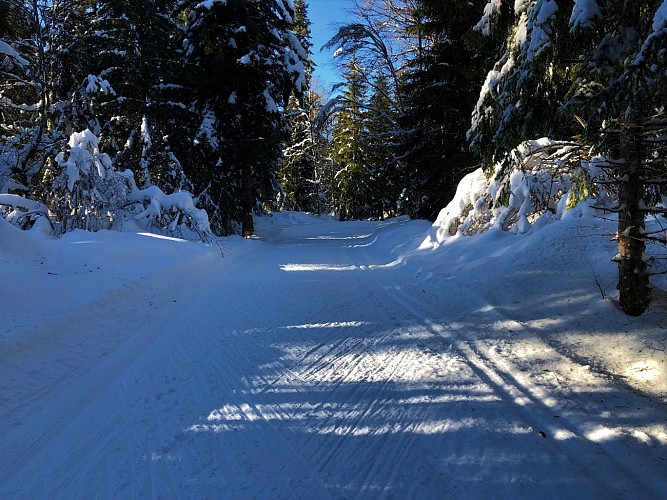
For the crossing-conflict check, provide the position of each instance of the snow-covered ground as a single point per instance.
(327, 359)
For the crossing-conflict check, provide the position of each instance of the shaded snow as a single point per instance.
(7, 49)
(208, 4)
(583, 13)
(327, 359)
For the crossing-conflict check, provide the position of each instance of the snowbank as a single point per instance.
(494, 365)
(535, 186)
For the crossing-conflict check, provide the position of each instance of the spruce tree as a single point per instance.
(349, 149)
(24, 98)
(600, 65)
(373, 54)
(386, 174)
(619, 92)
(129, 84)
(246, 60)
(529, 80)
(438, 85)
(299, 169)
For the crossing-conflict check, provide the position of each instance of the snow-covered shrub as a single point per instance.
(539, 181)
(173, 213)
(93, 195)
(90, 192)
(21, 212)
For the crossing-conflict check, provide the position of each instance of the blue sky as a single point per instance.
(325, 15)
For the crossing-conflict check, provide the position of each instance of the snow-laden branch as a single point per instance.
(97, 196)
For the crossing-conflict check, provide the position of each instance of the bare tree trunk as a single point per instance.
(633, 280)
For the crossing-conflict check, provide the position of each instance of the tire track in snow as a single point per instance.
(261, 433)
(535, 405)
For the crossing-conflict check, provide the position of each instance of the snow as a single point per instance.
(7, 49)
(491, 11)
(247, 59)
(271, 105)
(583, 13)
(207, 129)
(84, 152)
(146, 133)
(493, 81)
(327, 359)
(17, 201)
(208, 4)
(179, 201)
(540, 18)
(548, 9)
(99, 84)
(658, 31)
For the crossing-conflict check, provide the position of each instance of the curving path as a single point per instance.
(312, 365)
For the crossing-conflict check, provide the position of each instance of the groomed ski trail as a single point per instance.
(311, 365)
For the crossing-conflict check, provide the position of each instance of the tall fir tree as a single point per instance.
(349, 149)
(299, 172)
(24, 97)
(528, 81)
(246, 61)
(132, 85)
(439, 85)
(373, 46)
(596, 64)
(618, 92)
(382, 139)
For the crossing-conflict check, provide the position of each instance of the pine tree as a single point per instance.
(299, 169)
(619, 92)
(373, 52)
(600, 65)
(382, 145)
(527, 82)
(438, 83)
(349, 147)
(130, 80)
(24, 100)
(246, 61)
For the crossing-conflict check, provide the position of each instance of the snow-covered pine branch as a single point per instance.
(93, 195)
(176, 209)
(23, 211)
(538, 182)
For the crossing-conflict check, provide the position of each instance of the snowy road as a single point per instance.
(310, 364)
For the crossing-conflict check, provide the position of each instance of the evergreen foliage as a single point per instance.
(216, 98)
(246, 61)
(302, 169)
(187, 95)
(348, 149)
(597, 66)
(447, 65)
(368, 139)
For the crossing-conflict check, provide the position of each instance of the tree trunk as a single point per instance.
(247, 226)
(633, 281)
(247, 203)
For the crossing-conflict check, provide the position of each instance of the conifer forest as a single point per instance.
(369, 249)
(191, 116)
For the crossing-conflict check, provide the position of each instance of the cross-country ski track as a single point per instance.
(315, 363)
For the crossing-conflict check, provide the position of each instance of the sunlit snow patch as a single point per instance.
(645, 370)
(601, 434)
(339, 238)
(161, 237)
(335, 324)
(316, 267)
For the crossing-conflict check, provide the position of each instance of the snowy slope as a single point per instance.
(327, 359)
